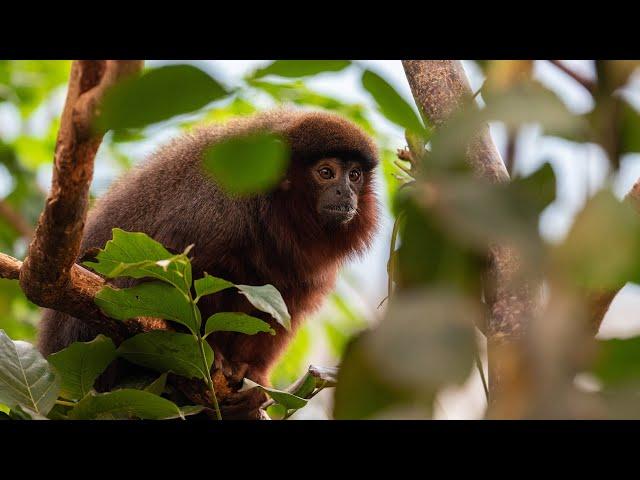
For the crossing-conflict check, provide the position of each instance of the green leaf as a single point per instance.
(167, 351)
(537, 189)
(125, 404)
(284, 398)
(136, 255)
(265, 155)
(361, 393)
(236, 322)
(602, 249)
(618, 361)
(426, 341)
(150, 299)
(629, 128)
(301, 68)
(210, 284)
(390, 103)
(25, 377)
(80, 364)
(267, 298)
(23, 413)
(158, 95)
(315, 377)
(157, 386)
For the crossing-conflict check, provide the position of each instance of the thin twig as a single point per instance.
(587, 83)
(15, 220)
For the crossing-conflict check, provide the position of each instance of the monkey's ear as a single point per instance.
(285, 184)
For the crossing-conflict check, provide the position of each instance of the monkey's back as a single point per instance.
(170, 198)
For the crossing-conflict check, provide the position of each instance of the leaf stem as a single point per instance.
(481, 372)
(216, 406)
(392, 248)
(65, 403)
(207, 370)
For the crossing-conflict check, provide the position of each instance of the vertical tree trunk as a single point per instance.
(440, 87)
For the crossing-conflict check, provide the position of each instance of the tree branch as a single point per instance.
(9, 267)
(588, 84)
(440, 87)
(49, 276)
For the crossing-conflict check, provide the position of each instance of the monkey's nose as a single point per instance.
(338, 192)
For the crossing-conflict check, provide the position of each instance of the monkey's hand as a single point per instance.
(237, 405)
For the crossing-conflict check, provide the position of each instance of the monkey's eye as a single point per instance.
(326, 173)
(354, 175)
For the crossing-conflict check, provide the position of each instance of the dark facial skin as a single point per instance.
(338, 184)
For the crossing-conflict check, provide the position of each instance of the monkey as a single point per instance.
(296, 236)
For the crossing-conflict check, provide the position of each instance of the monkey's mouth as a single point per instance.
(340, 209)
(339, 213)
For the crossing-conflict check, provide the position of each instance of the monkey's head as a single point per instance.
(337, 183)
(330, 182)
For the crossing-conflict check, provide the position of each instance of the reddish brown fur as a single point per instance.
(274, 238)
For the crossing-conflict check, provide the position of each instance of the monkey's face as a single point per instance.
(338, 184)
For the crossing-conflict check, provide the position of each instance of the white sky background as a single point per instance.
(580, 170)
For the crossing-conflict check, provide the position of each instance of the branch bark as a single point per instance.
(440, 87)
(49, 275)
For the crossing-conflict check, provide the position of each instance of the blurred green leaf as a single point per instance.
(602, 249)
(236, 322)
(390, 103)
(149, 299)
(167, 351)
(426, 341)
(629, 128)
(301, 68)
(476, 213)
(617, 361)
(267, 298)
(34, 152)
(136, 255)
(525, 103)
(360, 392)
(125, 404)
(18, 316)
(25, 377)
(265, 155)
(294, 360)
(428, 256)
(80, 364)
(33, 81)
(537, 190)
(158, 95)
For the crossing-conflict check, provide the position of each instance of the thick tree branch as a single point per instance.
(9, 267)
(49, 276)
(440, 87)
